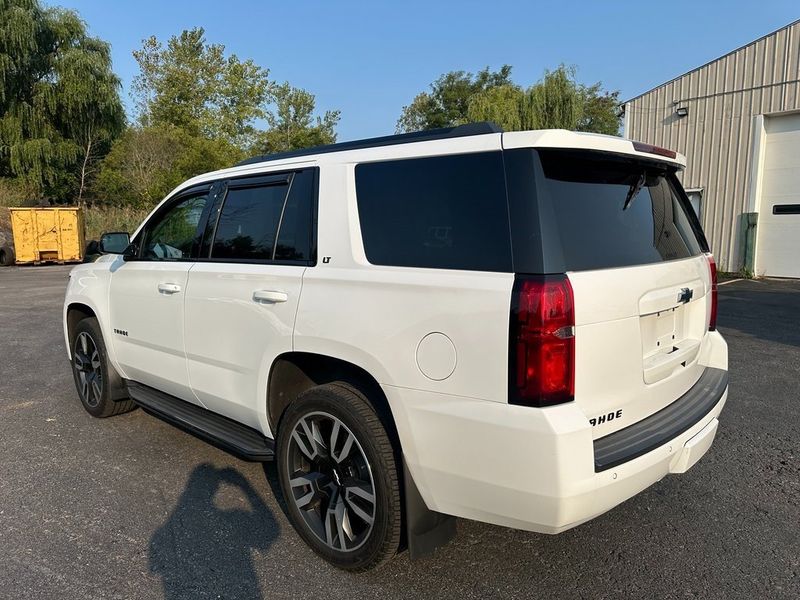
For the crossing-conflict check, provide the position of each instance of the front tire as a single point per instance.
(338, 474)
(99, 386)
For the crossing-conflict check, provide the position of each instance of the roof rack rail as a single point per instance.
(388, 140)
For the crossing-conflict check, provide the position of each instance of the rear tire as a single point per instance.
(7, 257)
(338, 475)
(99, 386)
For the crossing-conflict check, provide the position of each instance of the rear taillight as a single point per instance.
(712, 266)
(542, 341)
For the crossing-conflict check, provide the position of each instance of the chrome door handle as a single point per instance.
(169, 288)
(270, 296)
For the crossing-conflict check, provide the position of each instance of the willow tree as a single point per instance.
(59, 99)
(501, 105)
(556, 101)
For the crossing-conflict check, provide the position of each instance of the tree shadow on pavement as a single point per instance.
(204, 549)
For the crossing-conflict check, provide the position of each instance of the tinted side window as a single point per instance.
(249, 222)
(295, 237)
(444, 212)
(171, 234)
(613, 213)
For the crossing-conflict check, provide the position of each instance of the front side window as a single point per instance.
(441, 212)
(171, 234)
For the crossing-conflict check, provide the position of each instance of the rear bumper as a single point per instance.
(665, 425)
(532, 469)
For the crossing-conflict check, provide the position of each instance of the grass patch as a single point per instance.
(5, 227)
(13, 193)
(98, 220)
(742, 273)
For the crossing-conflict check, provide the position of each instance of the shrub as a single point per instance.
(98, 219)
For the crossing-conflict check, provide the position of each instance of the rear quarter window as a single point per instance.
(444, 212)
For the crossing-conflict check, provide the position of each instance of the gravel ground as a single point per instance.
(129, 507)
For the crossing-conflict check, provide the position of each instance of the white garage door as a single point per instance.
(778, 251)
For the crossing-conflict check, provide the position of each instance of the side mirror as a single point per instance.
(114, 242)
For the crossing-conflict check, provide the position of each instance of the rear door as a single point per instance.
(243, 292)
(622, 230)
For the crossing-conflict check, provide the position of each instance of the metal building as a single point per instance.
(737, 120)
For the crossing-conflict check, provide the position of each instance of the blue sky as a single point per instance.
(369, 59)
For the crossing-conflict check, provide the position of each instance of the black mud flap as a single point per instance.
(426, 529)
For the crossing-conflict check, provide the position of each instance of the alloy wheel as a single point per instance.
(86, 362)
(331, 481)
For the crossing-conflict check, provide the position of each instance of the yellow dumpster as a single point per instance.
(47, 234)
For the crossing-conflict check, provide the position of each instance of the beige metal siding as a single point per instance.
(722, 97)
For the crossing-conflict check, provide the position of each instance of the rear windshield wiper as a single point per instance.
(634, 189)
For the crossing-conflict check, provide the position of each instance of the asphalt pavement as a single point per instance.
(129, 507)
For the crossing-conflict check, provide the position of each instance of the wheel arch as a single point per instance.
(74, 314)
(293, 373)
(77, 311)
(79, 307)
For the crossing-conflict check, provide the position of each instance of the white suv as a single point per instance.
(517, 328)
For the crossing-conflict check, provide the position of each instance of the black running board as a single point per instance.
(227, 434)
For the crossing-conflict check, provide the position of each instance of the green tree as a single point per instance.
(292, 123)
(146, 163)
(447, 102)
(557, 101)
(554, 102)
(501, 105)
(601, 112)
(192, 85)
(59, 99)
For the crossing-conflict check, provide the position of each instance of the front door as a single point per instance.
(147, 296)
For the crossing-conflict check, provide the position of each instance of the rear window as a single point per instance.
(249, 222)
(613, 212)
(444, 212)
(256, 210)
